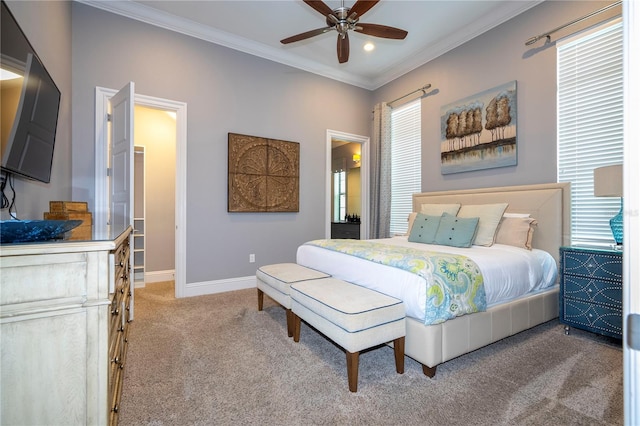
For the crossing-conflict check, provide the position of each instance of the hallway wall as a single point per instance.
(155, 130)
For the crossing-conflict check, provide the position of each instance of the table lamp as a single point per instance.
(607, 182)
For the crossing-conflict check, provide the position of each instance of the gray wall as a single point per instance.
(226, 91)
(494, 58)
(47, 25)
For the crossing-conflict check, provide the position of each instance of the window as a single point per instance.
(590, 125)
(405, 163)
(339, 196)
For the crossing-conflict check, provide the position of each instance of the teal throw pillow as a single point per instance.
(424, 229)
(456, 231)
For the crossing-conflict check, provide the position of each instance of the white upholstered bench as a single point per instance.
(275, 281)
(354, 317)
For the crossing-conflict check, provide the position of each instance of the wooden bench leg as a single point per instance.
(398, 351)
(296, 327)
(290, 323)
(260, 299)
(429, 371)
(353, 359)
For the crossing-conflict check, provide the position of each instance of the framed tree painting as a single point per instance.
(480, 132)
(263, 174)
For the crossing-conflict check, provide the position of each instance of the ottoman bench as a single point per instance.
(275, 281)
(354, 317)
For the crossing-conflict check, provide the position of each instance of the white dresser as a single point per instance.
(64, 314)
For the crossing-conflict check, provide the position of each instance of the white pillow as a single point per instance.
(490, 216)
(439, 209)
(516, 231)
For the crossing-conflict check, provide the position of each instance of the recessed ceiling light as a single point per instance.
(369, 46)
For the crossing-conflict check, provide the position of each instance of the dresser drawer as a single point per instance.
(115, 397)
(600, 319)
(37, 278)
(593, 265)
(593, 291)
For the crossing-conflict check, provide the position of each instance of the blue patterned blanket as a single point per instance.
(454, 282)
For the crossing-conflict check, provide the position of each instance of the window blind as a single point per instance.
(590, 125)
(405, 163)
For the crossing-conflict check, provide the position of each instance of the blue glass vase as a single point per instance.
(616, 223)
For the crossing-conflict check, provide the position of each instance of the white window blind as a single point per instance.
(405, 163)
(590, 125)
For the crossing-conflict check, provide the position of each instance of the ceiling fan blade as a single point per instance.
(362, 6)
(343, 48)
(381, 31)
(305, 35)
(320, 6)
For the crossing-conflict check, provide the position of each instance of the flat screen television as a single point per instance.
(30, 101)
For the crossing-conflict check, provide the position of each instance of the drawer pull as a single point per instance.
(116, 360)
(121, 263)
(115, 408)
(115, 312)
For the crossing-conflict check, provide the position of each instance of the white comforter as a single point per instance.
(509, 272)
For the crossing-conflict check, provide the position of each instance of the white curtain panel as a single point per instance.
(380, 172)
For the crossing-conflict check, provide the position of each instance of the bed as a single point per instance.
(434, 343)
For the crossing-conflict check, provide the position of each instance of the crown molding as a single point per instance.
(480, 26)
(149, 15)
(158, 18)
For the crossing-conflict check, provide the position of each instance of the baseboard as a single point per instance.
(219, 286)
(201, 288)
(156, 277)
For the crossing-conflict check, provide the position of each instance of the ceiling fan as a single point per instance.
(344, 19)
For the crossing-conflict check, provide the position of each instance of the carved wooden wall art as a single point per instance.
(263, 174)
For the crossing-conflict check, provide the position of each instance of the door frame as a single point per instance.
(103, 96)
(364, 179)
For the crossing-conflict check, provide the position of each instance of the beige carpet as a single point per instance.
(216, 360)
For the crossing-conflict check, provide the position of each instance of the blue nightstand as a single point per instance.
(591, 290)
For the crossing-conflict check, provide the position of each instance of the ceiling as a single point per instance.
(256, 27)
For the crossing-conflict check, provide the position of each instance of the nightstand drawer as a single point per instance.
(592, 291)
(593, 265)
(345, 230)
(596, 318)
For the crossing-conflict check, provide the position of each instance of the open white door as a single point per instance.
(121, 164)
(106, 102)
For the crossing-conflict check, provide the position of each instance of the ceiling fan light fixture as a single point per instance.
(369, 46)
(344, 19)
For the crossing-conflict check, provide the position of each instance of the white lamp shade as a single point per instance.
(607, 181)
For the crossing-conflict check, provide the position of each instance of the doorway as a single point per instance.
(179, 109)
(154, 195)
(347, 184)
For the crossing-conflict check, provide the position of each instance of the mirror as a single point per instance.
(346, 197)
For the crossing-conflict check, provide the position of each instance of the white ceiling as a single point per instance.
(256, 27)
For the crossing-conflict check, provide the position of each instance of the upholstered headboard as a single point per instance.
(549, 203)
